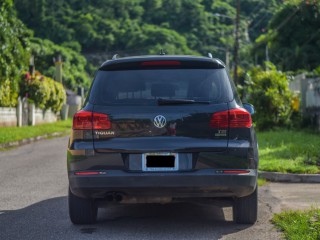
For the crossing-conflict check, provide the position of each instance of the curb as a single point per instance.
(290, 177)
(31, 140)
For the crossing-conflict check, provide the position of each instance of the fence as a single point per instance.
(25, 114)
(8, 117)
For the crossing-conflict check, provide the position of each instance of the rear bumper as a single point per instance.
(200, 183)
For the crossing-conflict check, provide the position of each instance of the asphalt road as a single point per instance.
(33, 205)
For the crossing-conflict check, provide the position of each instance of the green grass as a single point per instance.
(289, 151)
(297, 225)
(11, 134)
(261, 182)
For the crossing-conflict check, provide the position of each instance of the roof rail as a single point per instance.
(209, 55)
(116, 56)
(162, 52)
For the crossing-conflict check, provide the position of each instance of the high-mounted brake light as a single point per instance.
(85, 120)
(234, 118)
(161, 63)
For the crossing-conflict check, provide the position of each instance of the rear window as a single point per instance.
(145, 87)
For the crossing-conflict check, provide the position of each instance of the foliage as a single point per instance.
(289, 151)
(293, 36)
(14, 49)
(43, 91)
(262, 182)
(11, 134)
(299, 224)
(74, 63)
(269, 93)
(8, 95)
(144, 26)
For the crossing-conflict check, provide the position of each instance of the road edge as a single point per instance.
(31, 140)
(290, 177)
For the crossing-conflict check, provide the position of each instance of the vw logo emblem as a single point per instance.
(159, 121)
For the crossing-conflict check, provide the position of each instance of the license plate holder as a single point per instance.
(160, 161)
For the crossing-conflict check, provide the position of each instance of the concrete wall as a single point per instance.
(8, 117)
(44, 116)
(309, 90)
(25, 114)
(313, 93)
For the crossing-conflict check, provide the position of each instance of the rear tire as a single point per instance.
(245, 209)
(82, 210)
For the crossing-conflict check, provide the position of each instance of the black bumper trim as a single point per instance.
(201, 182)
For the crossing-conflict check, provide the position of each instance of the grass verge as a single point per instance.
(261, 182)
(12, 134)
(289, 151)
(299, 225)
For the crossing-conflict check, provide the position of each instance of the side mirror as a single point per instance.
(249, 107)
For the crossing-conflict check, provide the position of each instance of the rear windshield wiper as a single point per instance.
(162, 101)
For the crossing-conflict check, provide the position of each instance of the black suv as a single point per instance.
(157, 129)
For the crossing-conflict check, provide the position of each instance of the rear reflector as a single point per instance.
(233, 171)
(161, 63)
(234, 118)
(86, 173)
(85, 120)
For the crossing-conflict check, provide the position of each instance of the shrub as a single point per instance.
(269, 93)
(57, 96)
(43, 91)
(8, 94)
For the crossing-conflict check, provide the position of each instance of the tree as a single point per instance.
(123, 26)
(74, 73)
(293, 36)
(14, 52)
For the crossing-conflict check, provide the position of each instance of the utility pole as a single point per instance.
(31, 66)
(236, 44)
(227, 58)
(58, 62)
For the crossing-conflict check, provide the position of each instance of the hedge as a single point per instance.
(43, 91)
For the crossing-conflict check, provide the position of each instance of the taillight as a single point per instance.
(85, 120)
(234, 118)
(161, 63)
(82, 120)
(220, 120)
(239, 118)
(101, 121)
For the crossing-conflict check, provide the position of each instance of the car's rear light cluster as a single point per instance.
(85, 120)
(89, 173)
(234, 118)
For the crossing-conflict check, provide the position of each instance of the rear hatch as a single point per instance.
(161, 106)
